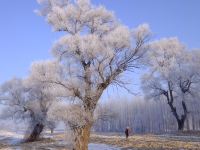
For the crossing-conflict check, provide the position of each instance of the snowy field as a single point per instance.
(12, 141)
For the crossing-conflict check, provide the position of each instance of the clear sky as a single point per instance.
(26, 37)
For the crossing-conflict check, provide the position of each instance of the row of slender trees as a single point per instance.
(143, 116)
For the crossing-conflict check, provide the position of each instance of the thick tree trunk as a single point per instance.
(181, 124)
(82, 136)
(180, 120)
(170, 100)
(35, 134)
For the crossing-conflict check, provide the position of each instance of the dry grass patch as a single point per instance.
(146, 142)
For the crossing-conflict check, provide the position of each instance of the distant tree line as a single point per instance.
(143, 116)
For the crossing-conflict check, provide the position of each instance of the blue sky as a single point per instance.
(26, 37)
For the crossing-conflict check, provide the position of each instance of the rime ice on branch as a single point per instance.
(95, 50)
(173, 75)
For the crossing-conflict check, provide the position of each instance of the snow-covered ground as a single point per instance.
(93, 146)
(11, 141)
(10, 138)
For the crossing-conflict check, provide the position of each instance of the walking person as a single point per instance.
(127, 130)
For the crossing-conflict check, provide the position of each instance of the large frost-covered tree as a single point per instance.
(29, 100)
(94, 52)
(173, 75)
